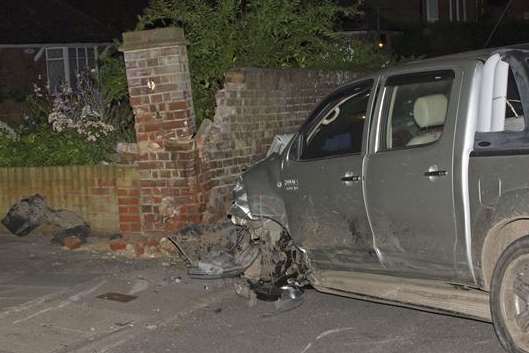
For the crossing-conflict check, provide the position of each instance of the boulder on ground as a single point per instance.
(26, 215)
(32, 212)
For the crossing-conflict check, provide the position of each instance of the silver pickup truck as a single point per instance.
(409, 186)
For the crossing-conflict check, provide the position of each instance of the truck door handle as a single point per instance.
(435, 173)
(349, 178)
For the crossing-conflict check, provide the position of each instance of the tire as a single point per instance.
(509, 297)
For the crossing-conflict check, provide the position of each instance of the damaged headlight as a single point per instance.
(240, 210)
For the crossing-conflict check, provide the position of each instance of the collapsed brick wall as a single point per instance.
(186, 176)
(254, 106)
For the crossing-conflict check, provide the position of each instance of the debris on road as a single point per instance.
(198, 242)
(260, 254)
(72, 242)
(80, 232)
(118, 245)
(32, 212)
(229, 256)
(118, 297)
(221, 264)
(180, 251)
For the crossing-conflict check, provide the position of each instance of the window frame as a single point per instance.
(62, 59)
(431, 9)
(320, 112)
(403, 79)
(66, 57)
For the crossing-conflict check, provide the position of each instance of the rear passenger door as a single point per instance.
(409, 173)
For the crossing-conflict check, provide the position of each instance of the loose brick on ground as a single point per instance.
(72, 243)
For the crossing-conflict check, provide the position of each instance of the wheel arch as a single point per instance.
(496, 224)
(499, 237)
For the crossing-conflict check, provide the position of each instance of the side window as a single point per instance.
(339, 129)
(514, 114)
(415, 108)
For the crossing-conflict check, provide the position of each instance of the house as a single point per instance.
(396, 14)
(47, 39)
(47, 42)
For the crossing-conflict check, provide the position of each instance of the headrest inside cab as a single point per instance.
(430, 111)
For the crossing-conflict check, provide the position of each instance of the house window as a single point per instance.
(55, 66)
(432, 10)
(64, 65)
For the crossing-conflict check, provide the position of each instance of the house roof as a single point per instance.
(120, 15)
(48, 21)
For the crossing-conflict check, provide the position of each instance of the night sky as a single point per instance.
(119, 15)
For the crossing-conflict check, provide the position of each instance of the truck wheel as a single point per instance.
(509, 297)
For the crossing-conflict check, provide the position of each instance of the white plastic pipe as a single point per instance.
(499, 99)
(487, 93)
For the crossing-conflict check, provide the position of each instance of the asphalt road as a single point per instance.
(48, 303)
(325, 323)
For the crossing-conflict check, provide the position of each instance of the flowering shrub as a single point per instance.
(81, 110)
(60, 129)
(7, 131)
(72, 126)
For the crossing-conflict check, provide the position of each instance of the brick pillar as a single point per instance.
(160, 95)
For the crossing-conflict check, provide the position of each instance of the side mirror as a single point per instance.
(279, 143)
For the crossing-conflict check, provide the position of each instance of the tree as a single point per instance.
(224, 34)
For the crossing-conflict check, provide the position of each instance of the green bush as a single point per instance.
(44, 147)
(112, 81)
(68, 128)
(39, 141)
(14, 94)
(224, 34)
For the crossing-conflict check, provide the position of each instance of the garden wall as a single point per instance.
(186, 175)
(254, 106)
(105, 196)
(176, 175)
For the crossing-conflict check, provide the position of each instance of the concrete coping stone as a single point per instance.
(153, 38)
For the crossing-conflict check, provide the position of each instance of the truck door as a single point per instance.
(322, 182)
(409, 173)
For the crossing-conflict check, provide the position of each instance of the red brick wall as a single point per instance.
(254, 106)
(186, 178)
(18, 71)
(127, 189)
